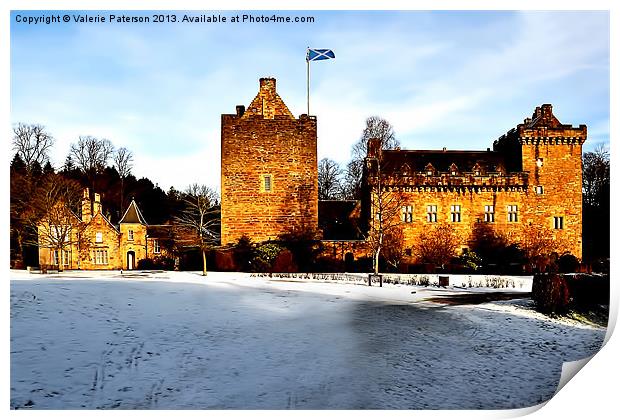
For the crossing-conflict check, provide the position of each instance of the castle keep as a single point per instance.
(269, 170)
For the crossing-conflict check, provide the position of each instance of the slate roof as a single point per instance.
(133, 214)
(441, 160)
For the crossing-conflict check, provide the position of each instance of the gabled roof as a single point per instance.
(105, 219)
(133, 214)
(267, 103)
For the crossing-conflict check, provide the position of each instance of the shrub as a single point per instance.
(470, 260)
(145, 264)
(567, 263)
(264, 256)
(550, 293)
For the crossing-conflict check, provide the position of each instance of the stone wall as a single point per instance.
(268, 141)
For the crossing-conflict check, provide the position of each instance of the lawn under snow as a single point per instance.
(180, 340)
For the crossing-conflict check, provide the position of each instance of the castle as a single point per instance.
(532, 177)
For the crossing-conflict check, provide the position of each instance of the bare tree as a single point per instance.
(329, 179)
(351, 185)
(91, 156)
(32, 144)
(376, 128)
(596, 174)
(386, 202)
(538, 244)
(52, 215)
(437, 245)
(393, 246)
(123, 161)
(201, 215)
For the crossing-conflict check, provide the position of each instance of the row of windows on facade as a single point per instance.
(99, 256)
(156, 248)
(455, 214)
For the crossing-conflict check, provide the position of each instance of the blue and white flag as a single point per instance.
(319, 54)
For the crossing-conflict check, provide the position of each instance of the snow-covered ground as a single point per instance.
(230, 340)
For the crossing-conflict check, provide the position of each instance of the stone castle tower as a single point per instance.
(550, 152)
(269, 170)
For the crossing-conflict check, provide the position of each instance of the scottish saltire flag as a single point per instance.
(319, 54)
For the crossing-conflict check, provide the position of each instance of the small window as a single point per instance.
(431, 213)
(130, 235)
(266, 183)
(407, 214)
(513, 212)
(476, 173)
(65, 258)
(408, 252)
(453, 173)
(156, 249)
(55, 257)
(539, 189)
(489, 214)
(455, 213)
(99, 237)
(558, 222)
(539, 162)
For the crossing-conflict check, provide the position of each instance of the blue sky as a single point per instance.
(443, 79)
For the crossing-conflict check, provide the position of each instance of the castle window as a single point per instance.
(407, 214)
(558, 222)
(98, 237)
(539, 189)
(431, 213)
(130, 235)
(266, 183)
(489, 214)
(156, 248)
(455, 213)
(513, 213)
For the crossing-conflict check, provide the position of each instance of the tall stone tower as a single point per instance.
(269, 170)
(550, 152)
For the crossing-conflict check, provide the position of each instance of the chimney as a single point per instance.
(240, 110)
(268, 85)
(374, 148)
(97, 204)
(546, 111)
(86, 206)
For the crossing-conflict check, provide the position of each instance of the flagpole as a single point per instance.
(308, 79)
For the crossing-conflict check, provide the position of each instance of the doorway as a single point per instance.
(131, 260)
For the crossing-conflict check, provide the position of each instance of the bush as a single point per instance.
(158, 263)
(470, 260)
(146, 264)
(588, 290)
(550, 293)
(557, 293)
(567, 263)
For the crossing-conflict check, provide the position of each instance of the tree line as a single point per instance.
(36, 185)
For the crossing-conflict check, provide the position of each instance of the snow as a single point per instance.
(170, 340)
